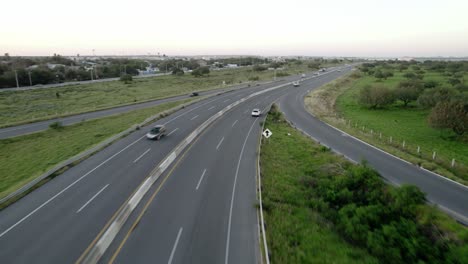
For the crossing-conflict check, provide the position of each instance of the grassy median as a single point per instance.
(318, 209)
(26, 157)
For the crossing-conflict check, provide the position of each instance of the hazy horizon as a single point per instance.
(362, 28)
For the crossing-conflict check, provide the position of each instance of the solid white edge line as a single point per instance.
(201, 178)
(194, 117)
(226, 259)
(139, 157)
(66, 188)
(175, 246)
(219, 144)
(172, 131)
(235, 122)
(383, 151)
(211, 107)
(92, 198)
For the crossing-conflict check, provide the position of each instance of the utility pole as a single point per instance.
(30, 81)
(125, 68)
(16, 77)
(91, 75)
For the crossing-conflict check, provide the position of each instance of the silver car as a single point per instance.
(156, 132)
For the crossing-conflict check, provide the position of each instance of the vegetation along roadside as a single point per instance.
(320, 208)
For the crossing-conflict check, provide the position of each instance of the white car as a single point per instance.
(303, 75)
(296, 83)
(256, 112)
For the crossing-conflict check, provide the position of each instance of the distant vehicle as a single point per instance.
(323, 70)
(338, 70)
(156, 132)
(303, 75)
(194, 94)
(256, 112)
(296, 84)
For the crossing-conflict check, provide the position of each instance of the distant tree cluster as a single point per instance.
(449, 104)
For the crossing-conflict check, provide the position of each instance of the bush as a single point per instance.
(259, 68)
(56, 125)
(126, 78)
(177, 71)
(254, 78)
(376, 96)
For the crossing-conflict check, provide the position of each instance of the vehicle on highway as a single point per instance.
(303, 75)
(156, 132)
(194, 94)
(296, 84)
(323, 70)
(256, 112)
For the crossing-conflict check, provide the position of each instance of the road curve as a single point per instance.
(448, 195)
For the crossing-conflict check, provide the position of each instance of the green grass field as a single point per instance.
(33, 105)
(404, 124)
(295, 232)
(26, 157)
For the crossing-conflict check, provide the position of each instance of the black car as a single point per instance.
(194, 94)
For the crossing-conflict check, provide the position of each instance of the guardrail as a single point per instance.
(97, 249)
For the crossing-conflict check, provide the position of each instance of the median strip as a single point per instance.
(97, 249)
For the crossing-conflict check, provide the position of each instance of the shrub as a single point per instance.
(56, 125)
(126, 78)
(430, 97)
(450, 114)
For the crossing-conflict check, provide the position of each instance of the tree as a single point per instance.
(177, 71)
(450, 114)
(376, 96)
(408, 91)
(430, 97)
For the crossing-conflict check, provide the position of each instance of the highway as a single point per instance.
(57, 222)
(202, 209)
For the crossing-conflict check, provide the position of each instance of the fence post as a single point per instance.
(419, 149)
(391, 139)
(372, 132)
(434, 155)
(404, 143)
(380, 135)
(453, 163)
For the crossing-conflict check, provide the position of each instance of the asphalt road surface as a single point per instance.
(57, 222)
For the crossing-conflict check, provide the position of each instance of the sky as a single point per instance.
(369, 28)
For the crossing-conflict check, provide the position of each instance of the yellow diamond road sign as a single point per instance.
(267, 133)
